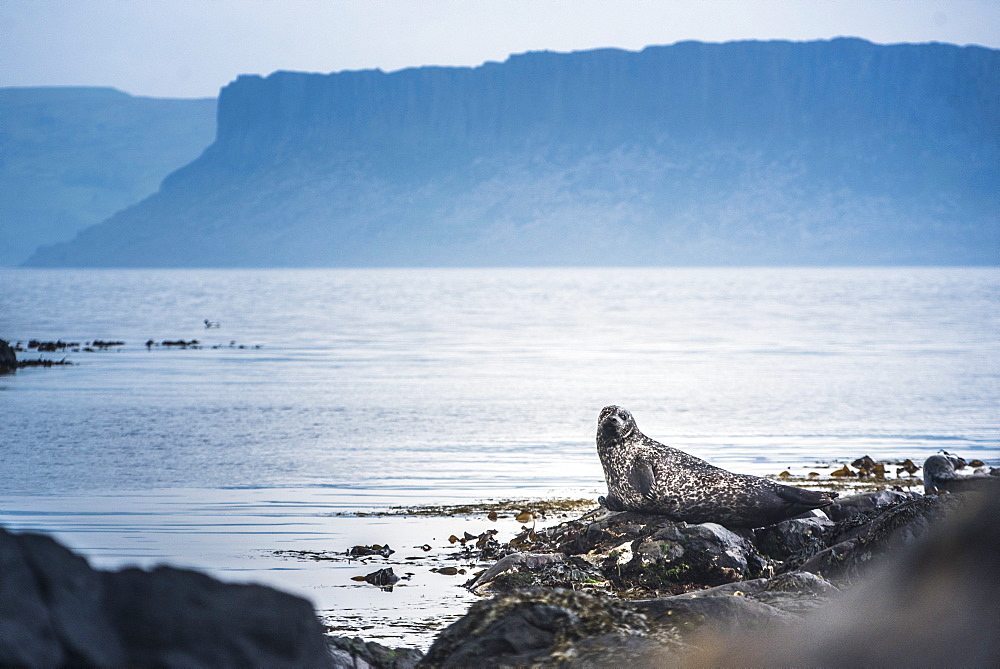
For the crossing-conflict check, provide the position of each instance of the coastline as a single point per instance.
(672, 592)
(297, 540)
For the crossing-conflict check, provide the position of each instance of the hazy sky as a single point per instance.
(191, 48)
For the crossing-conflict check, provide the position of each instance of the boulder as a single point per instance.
(853, 547)
(519, 570)
(357, 653)
(705, 553)
(546, 626)
(795, 537)
(52, 607)
(932, 603)
(721, 614)
(794, 592)
(542, 626)
(653, 552)
(56, 610)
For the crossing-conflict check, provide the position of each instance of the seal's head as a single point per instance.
(615, 423)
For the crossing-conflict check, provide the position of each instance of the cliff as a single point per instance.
(71, 157)
(839, 152)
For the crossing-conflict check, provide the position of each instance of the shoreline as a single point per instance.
(297, 540)
(776, 575)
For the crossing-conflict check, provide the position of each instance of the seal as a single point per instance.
(644, 475)
(940, 477)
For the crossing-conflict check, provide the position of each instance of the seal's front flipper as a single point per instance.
(610, 503)
(642, 478)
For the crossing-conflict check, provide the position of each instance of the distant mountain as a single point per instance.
(745, 153)
(71, 157)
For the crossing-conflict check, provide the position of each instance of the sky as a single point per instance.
(191, 48)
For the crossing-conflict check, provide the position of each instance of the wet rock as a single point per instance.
(43, 362)
(855, 546)
(864, 462)
(705, 553)
(359, 654)
(55, 610)
(649, 551)
(512, 566)
(541, 626)
(8, 359)
(687, 614)
(374, 549)
(384, 578)
(794, 592)
(180, 343)
(794, 537)
(940, 477)
(546, 627)
(930, 604)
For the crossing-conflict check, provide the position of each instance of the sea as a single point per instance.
(325, 400)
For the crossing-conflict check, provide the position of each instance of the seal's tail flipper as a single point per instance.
(808, 499)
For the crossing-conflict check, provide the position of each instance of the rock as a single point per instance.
(793, 537)
(706, 553)
(517, 563)
(686, 614)
(359, 654)
(8, 359)
(178, 617)
(538, 626)
(544, 626)
(940, 477)
(795, 592)
(55, 610)
(931, 604)
(854, 547)
(654, 552)
(376, 549)
(384, 578)
(51, 607)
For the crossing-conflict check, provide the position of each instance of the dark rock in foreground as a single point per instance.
(55, 610)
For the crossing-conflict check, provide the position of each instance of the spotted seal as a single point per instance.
(644, 475)
(940, 476)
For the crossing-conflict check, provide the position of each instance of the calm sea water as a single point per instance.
(376, 387)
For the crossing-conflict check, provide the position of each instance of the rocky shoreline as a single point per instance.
(595, 589)
(9, 361)
(612, 587)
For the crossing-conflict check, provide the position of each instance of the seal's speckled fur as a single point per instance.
(644, 475)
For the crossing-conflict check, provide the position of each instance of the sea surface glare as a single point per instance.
(372, 388)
